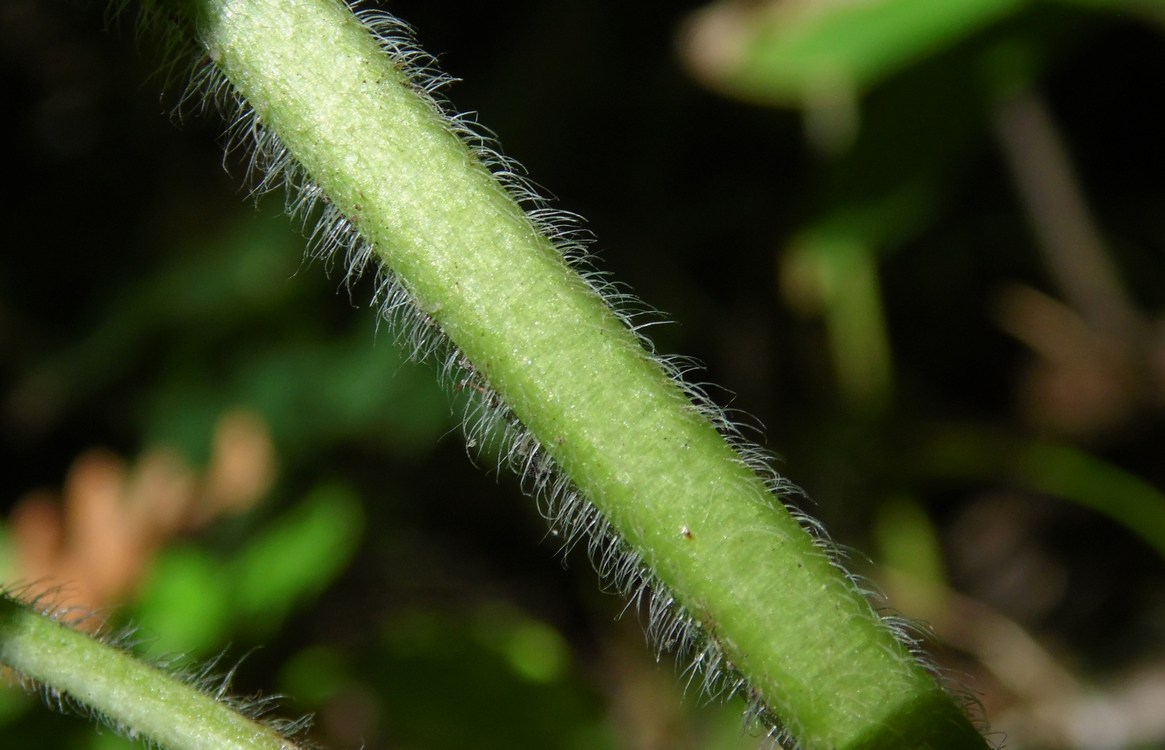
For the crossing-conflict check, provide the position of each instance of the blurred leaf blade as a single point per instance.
(185, 606)
(792, 53)
(296, 556)
(1054, 469)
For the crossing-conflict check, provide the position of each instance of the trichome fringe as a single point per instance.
(488, 424)
(207, 679)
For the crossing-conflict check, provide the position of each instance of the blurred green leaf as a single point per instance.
(840, 275)
(802, 52)
(194, 601)
(907, 542)
(318, 392)
(313, 392)
(533, 649)
(1070, 473)
(185, 605)
(314, 675)
(295, 557)
(1053, 469)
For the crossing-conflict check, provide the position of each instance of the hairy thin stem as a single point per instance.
(136, 698)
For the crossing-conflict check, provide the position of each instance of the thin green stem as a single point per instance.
(135, 697)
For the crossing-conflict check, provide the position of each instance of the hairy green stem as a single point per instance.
(771, 606)
(674, 490)
(135, 697)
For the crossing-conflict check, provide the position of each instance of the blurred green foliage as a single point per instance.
(844, 258)
(194, 601)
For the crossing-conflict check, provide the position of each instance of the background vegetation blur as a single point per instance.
(923, 242)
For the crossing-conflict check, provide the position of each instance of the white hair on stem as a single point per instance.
(207, 679)
(488, 423)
